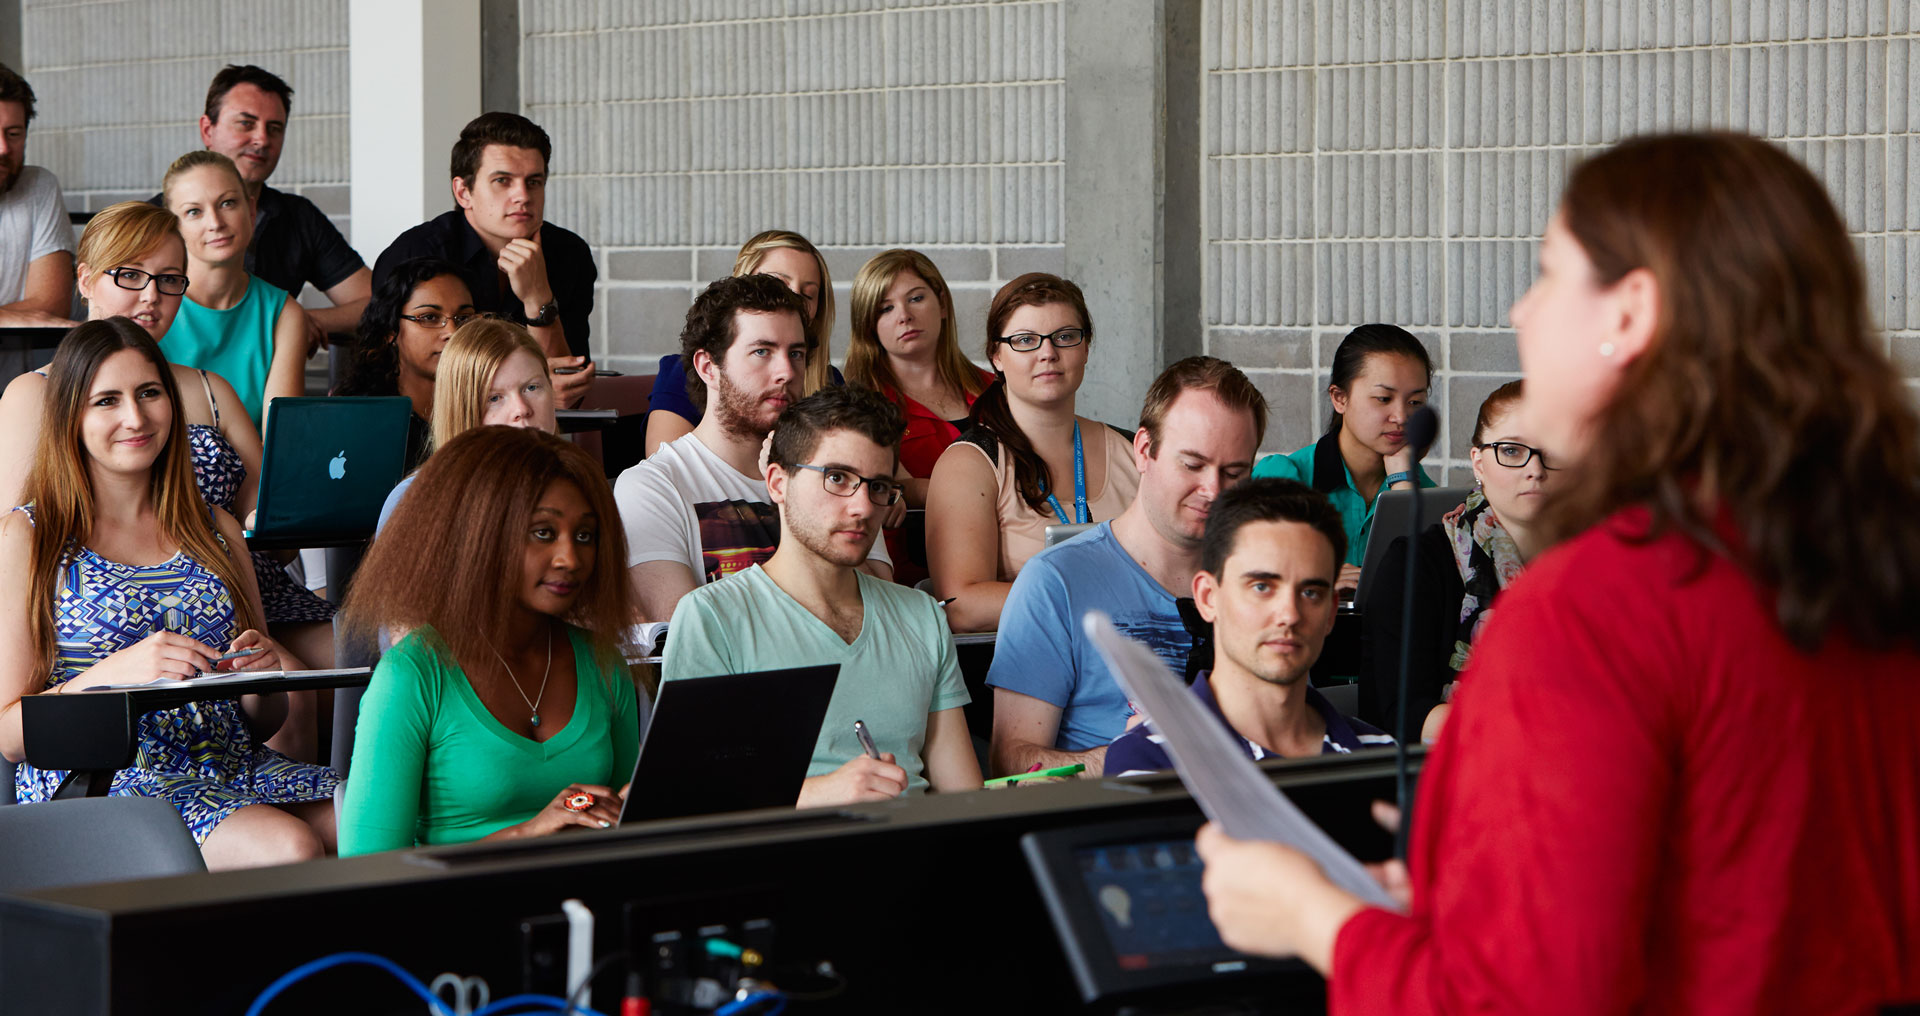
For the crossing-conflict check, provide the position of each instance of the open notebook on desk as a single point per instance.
(207, 677)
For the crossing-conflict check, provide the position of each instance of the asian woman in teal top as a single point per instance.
(509, 698)
(1381, 374)
(244, 329)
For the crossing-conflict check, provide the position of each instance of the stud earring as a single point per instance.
(1606, 349)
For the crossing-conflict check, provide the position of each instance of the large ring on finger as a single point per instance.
(578, 802)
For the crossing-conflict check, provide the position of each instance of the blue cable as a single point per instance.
(552, 1003)
(742, 1005)
(307, 970)
(548, 1003)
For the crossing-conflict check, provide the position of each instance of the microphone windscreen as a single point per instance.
(1422, 427)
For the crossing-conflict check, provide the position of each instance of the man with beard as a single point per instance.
(36, 243)
(1054, 701)
(830, 469)
(1267, 565)
(697, 510)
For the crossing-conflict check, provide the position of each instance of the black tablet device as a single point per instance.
(1125, 899)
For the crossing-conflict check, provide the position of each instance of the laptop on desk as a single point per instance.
(1391, 513)
(729, 743)
(326, 466)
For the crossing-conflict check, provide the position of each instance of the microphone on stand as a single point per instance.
(1422, 427)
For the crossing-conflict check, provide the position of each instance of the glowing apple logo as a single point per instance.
(337, 466)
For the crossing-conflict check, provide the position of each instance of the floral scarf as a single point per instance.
(1488, 559)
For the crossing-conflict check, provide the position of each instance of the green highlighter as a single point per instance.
(1039, 774)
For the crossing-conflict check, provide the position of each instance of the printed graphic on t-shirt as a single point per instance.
(736, 535)
(1167, 638)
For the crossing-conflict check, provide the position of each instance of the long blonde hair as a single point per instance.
(123, 232)
(867, 363)
(820, 329)
(467, 366)
(61, 489)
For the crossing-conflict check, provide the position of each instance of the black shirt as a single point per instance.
(570, 270)
(294, 243)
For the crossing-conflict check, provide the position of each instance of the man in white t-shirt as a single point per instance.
(36, 242)
(697, 510)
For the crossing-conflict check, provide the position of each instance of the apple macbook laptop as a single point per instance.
(1059, 534)
(730, 743)
(1390, 516)
(326, 467)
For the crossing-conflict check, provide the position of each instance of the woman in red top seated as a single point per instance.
(905, 347)
(1682, 773)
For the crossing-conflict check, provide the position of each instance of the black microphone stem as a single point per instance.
(1422, 427)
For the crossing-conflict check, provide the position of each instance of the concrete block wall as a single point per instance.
(683, 127)
(121, 85)
(1395, 160)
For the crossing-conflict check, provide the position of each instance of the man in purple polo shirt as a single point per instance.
(1268, 561)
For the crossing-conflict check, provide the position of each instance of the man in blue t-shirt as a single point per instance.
(1054, 701)
(1267, 568)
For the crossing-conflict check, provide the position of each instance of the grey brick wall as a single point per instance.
(682, 127)
(1394, 160)
(121, 85)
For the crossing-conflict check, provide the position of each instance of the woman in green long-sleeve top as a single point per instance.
(507, 710)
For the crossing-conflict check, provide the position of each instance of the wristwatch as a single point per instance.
(1391, 480)
(548, 315)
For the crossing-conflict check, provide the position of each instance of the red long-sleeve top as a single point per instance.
(1646, 800)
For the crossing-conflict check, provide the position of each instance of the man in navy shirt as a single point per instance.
(516, 264)
(1267, 565)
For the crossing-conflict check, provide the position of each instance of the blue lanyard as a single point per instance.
(1079, 484)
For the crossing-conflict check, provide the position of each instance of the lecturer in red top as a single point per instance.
(1682, 774)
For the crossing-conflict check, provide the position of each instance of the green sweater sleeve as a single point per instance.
(381, 810)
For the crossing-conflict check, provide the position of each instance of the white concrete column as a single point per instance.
(416, 82)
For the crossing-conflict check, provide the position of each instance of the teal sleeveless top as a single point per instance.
(236, 344)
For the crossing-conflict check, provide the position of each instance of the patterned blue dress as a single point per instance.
(218, 472)
(201, 757)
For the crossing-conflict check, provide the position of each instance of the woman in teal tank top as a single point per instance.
(247, 330)
(507, 709)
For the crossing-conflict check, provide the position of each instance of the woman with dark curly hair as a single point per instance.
(406, 325)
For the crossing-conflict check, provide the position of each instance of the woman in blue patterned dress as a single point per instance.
(132, 265)
(117, 571)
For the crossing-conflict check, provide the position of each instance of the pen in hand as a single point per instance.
(866, 740)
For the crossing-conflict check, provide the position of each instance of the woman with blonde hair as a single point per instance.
(116, 571)
(673, 412)
(246, 329)
(492, 372)
(133, 264)
(905, 345)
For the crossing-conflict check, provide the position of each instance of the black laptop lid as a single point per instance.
(730, 743)
(328, 464)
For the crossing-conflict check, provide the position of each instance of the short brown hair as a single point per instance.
(1268, 499)
(797, 434)
(246, 74)
(465, 513)
(820, 328)
(710, 326)
(496, 128)
(1202, 373)
(14, 88)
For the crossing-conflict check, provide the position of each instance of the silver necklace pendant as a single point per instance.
(534, 719)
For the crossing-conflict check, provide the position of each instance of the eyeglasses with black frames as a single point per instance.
(881, 490)
(1513, 454)
(136, 280)
(1027, 342)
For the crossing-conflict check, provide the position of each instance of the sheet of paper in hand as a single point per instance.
(1230, 788)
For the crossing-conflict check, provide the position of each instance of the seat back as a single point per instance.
(93, 839)
(624, 443)
(6, 781)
